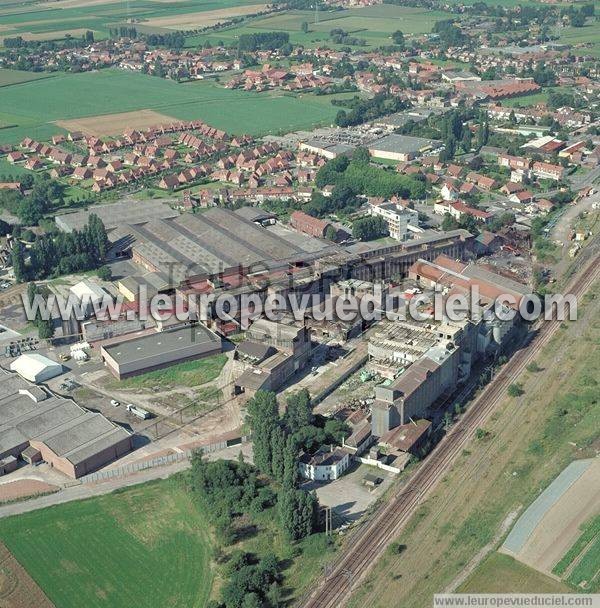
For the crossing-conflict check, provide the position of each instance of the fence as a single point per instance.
(158, 461)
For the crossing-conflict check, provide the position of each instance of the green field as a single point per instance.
(145, 547)
(374, 23)
(580, 36)
(32, 106)
(581, 563)
(10, 77)
(40, 18)
(500, 573)
(189, 373)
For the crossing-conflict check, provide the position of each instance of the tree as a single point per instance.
(398, 38)
(299, 411)
(18, 262)
(304, 27)
(515, 390)
(298, 512)
(45, 329)
(263, 418)
(369, 227)
(105, 273)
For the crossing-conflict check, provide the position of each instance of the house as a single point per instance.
(82, 173)
(15, 157)
(544, 205)
(511, 188)
(33, 163)
(327, 464)
(449, 192)
(169, 182)
(523, 197)
(548, 171)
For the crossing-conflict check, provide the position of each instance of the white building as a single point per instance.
(36, 368)
(400, 220)
(327, 464)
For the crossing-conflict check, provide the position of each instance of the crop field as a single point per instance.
(32, 108)
(115, 124)
(10, 77)
(146, 547)
(54, 20)
(503, 574)
(17, 588)
(582, 36)
(375, 24)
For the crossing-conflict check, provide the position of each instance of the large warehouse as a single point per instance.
(71, 439)
(210, 243)
(161, 349)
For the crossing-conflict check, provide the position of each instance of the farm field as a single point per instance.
(530, 440)
(52, 21)
(34, 106)
(503, 574)
(17, 588)
(582, 35)
(547, 535)
(374, 23)
(10, 77)
(115, 124)
(146, 547)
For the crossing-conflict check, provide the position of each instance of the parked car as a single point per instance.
(114, 403)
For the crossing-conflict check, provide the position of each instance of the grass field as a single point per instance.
(189, 373)
(500, 573)
(33, 106)
(10, 77)
(146, 547)
(529, 441)
(375, 24)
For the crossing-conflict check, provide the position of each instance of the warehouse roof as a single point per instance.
(117, 214)
(61, 424)
(403, 144)
(161, 343)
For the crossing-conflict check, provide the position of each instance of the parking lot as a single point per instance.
(348, 496)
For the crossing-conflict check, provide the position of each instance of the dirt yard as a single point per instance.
(24, 488)
(560, 527)
(17, 588)
(115, 124)
(192, 21)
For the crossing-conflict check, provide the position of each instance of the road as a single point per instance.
(363, 548)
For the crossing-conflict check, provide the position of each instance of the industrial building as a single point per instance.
(117, 214)
(336, 142)
(210, 243)
(271, 354)
(36, 425)
(427, 360)
(157, 350)
(36, 368)
(404, 147)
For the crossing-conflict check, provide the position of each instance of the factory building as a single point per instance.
(271, 354)
(157, 350)
(36, 425)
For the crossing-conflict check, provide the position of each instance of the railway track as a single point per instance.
(370, 540)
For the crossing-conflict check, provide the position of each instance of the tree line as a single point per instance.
(61, 253)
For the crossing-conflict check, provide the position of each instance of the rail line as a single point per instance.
(370, 540)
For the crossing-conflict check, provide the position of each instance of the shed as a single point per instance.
(36, 368)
